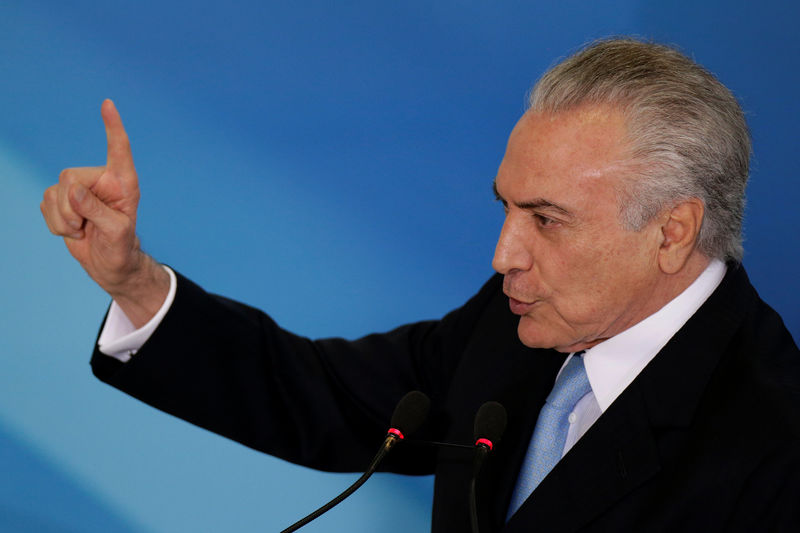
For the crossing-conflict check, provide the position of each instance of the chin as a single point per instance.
(533, 335)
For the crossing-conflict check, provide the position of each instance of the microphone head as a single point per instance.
(410, 413)
(490, 422)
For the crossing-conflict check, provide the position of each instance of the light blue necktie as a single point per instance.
(547, 444)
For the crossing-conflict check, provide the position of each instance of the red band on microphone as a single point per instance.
(396, 432)
(485, 442)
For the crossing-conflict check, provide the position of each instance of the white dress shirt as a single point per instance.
(610, 365)
(614, 363)
(120, 339)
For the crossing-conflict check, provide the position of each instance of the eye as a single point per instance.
(544, 221)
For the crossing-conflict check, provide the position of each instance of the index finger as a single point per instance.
(119, 158)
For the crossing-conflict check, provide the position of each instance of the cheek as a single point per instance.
(581, 272)
(590, 285)
(624, 271)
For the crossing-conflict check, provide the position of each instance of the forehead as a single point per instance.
(550, 155)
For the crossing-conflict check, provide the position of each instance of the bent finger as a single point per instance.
(53, 218)
(85, 176)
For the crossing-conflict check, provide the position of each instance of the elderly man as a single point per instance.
(648, 388)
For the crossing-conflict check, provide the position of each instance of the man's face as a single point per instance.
(573, 274)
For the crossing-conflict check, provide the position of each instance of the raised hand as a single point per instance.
(94, 209)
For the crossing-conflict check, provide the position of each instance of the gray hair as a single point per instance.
(689, 138)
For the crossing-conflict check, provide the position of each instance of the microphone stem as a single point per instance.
(390, 441)
(473, 507)
(481, 451)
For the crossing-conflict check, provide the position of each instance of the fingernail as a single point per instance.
(75, 224)
(80, 193)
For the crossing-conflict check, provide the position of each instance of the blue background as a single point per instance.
(330, 162)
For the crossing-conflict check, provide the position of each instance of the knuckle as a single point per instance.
(53, 225)
(50, 195)
(50, 215)
(66, 175)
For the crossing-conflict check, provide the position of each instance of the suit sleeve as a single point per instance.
(231, 369)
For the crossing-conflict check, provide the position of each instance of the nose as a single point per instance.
(511, 253)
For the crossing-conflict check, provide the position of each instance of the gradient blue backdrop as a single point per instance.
(330, 162)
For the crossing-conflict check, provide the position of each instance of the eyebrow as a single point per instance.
(536, 203)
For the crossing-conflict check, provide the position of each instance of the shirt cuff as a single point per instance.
(120, 339)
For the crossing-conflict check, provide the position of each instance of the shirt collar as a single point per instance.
(614, 363)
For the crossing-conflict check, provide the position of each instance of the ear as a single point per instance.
(679, 229)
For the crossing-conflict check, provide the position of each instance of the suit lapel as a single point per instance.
(614, 457)
(621, 450)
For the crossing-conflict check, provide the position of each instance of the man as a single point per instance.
(619, 272)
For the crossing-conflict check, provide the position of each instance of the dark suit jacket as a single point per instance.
(706, 438)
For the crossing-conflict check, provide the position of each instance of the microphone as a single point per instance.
(408, 416)
(490, 423)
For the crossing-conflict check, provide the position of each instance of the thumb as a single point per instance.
(85, 203)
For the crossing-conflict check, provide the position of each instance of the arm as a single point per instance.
(228, 367)
(325, 404)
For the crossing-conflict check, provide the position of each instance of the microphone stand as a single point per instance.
(410, 412)
(490, 423)
(390, 441)
(481, 451)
